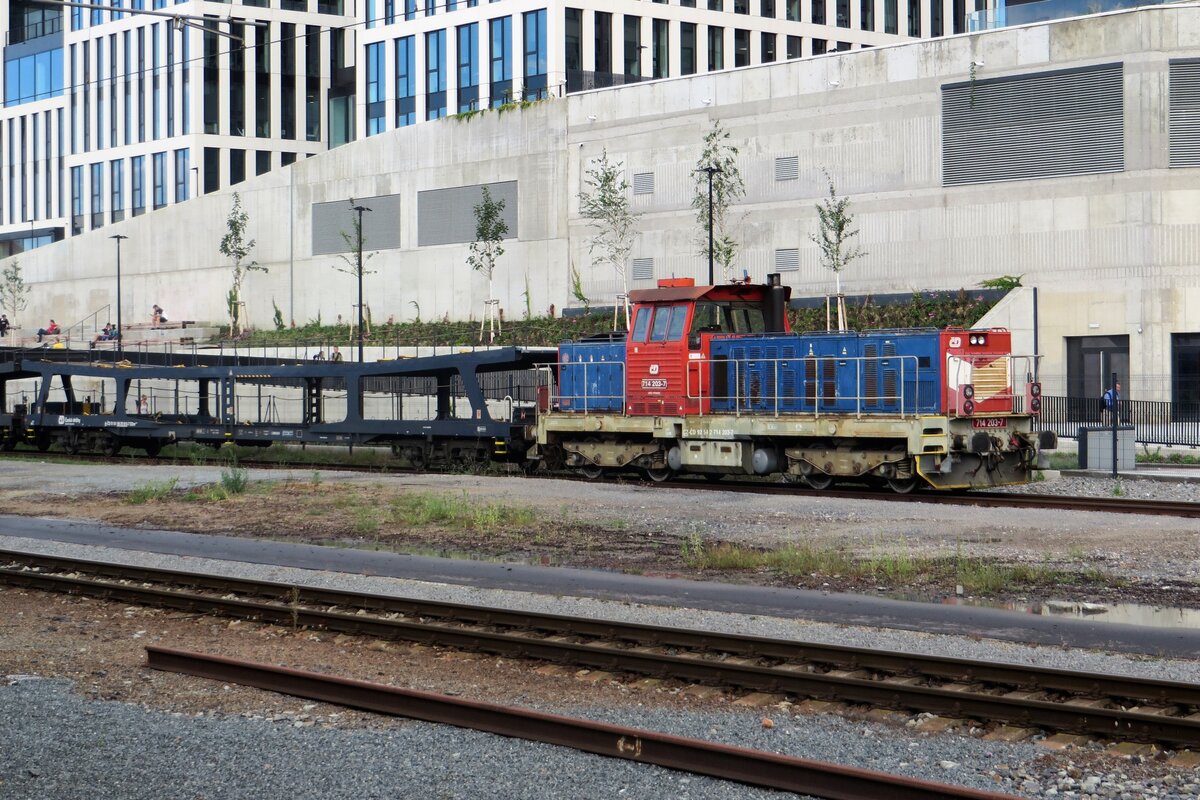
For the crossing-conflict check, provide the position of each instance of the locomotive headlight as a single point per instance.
(969, 391)
(974, 339)
(1035, 389)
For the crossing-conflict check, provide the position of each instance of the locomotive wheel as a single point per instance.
(591, 472)
(110, 446)
(659, 475)
(902, 485)
(818, 480)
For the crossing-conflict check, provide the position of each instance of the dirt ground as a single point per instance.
(640, 531)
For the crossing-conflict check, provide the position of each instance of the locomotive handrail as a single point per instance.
(696, 391)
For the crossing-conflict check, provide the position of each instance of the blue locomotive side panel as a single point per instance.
(591, 377)
(874, 372)
(901, 372)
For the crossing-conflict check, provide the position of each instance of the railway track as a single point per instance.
(1112, 505)
(1106, 707)
(774, 771)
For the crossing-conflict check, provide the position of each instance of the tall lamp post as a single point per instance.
(359, 210)
(119, 238)
(711, 170)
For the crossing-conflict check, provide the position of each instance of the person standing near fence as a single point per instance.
(1112, 399)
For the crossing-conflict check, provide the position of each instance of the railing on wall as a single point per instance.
(1154, 421)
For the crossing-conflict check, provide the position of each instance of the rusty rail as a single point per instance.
(983, 690)
(754, 767)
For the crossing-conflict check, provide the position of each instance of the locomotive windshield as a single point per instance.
(728, 317)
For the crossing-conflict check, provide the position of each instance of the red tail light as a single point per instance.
(1035, 405)
(968, 408)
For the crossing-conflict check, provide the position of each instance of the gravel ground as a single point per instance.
(60, 740)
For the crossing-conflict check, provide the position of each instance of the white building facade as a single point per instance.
(1065, 153)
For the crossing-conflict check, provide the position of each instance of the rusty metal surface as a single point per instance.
(754, 767)
(704, 661)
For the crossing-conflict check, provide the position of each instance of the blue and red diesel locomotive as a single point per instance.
(711, 380)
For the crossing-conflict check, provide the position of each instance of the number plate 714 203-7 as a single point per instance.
(988, 422)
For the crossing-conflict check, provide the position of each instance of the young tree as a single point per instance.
(718, 158)
(355, 259)
(13, 292)
(490, 230)
(234, 246)
(834, 238)
(605, 204)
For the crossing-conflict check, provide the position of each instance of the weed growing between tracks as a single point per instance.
(802, 561)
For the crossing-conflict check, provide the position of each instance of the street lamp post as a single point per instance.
(711, 170)
(119, 238)
(359, 210)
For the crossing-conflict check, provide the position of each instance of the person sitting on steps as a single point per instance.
(50, 330)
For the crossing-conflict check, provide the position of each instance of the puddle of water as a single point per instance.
(1122, 613)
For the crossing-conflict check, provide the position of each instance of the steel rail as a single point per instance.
(974, 497)
(1142, 690)
(957, 700)
(754, 767)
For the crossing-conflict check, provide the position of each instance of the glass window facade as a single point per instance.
(181, 175)
(535, 54)
(137, 184)
(116, 184)
(375, 98)
(468, 67)
(435, 74)
(160, 179)
(406, 81)
(97, 187)
(33, 77)
(501, 61)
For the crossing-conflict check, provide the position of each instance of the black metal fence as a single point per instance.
(1156, 422)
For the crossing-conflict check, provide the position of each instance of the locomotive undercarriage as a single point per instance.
(901, 453)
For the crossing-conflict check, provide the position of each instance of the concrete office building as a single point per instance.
(121, 111)
(1066, 153)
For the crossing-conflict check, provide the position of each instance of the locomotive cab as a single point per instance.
(668, 349)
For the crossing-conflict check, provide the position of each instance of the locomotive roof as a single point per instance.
(730, 291)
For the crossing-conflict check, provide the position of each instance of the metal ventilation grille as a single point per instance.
(643, 269)
(1068, 122)
(787, 260)
(1185, 113)
(643, 183)
(787, 168)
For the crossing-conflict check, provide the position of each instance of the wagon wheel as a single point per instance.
(713, 477)
(659, 474)
(70, 442)
(417, 459)
(9, 441)
(110, 446)
(42, 442)
(152, 447)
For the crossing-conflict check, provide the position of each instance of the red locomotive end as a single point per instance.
(667, 351)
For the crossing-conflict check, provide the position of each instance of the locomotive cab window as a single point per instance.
(641, 324)
(728, 318)
(669, 322)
